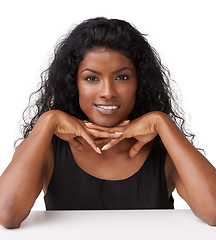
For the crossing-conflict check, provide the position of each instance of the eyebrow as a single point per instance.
(91, 70)
(99, 73)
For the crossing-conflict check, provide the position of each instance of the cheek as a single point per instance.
(130, 95)
(83, 94)
(131, 100)
(86, 96)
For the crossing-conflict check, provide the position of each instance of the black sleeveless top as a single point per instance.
(71, 188)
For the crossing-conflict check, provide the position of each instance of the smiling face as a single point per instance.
(107, 85)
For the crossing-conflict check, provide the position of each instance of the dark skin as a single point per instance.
(115, 148)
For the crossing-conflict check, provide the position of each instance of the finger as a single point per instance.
(111, 143)
(104, 129)
(85, 135)
(136, 148)
(124, 123)
(77, 144)
(102, 134)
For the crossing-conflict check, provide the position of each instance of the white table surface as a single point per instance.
(130, 224)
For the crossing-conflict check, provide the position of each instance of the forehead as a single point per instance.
(102, 57)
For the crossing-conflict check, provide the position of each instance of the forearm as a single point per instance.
(196, 173)
(22, 181)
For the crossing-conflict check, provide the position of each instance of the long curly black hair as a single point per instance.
(58, 89)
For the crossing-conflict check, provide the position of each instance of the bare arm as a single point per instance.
(195, 177)
(22, 181)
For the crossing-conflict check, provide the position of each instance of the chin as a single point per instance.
(106, 123)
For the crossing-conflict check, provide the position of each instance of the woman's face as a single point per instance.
(107, 84)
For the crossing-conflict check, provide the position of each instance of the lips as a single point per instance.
(107, 108)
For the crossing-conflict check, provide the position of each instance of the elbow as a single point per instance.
(10, 225)
(211, 220)
(8, 221)
(212, 223)
(211, 216)
(212, 213)
(208, 215)
(9, 217)
(12, 215)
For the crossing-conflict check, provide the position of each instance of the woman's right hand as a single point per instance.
(68, 128)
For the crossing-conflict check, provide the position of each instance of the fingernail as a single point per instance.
(104, 147)
(88, 123)
(98, 150)
(118, 133)
(126, 121)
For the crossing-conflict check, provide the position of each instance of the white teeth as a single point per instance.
(108, 107)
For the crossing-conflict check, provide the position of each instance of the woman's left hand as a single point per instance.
(143, 129)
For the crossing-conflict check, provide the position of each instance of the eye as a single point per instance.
(122, 77)
(91, 79)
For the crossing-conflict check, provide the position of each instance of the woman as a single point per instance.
(105, 134)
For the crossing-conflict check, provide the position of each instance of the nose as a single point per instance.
(107, 90)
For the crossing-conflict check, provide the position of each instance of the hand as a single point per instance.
(106, 132)
(143, 129)
(68, 128)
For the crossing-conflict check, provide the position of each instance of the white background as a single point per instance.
(183, 32)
